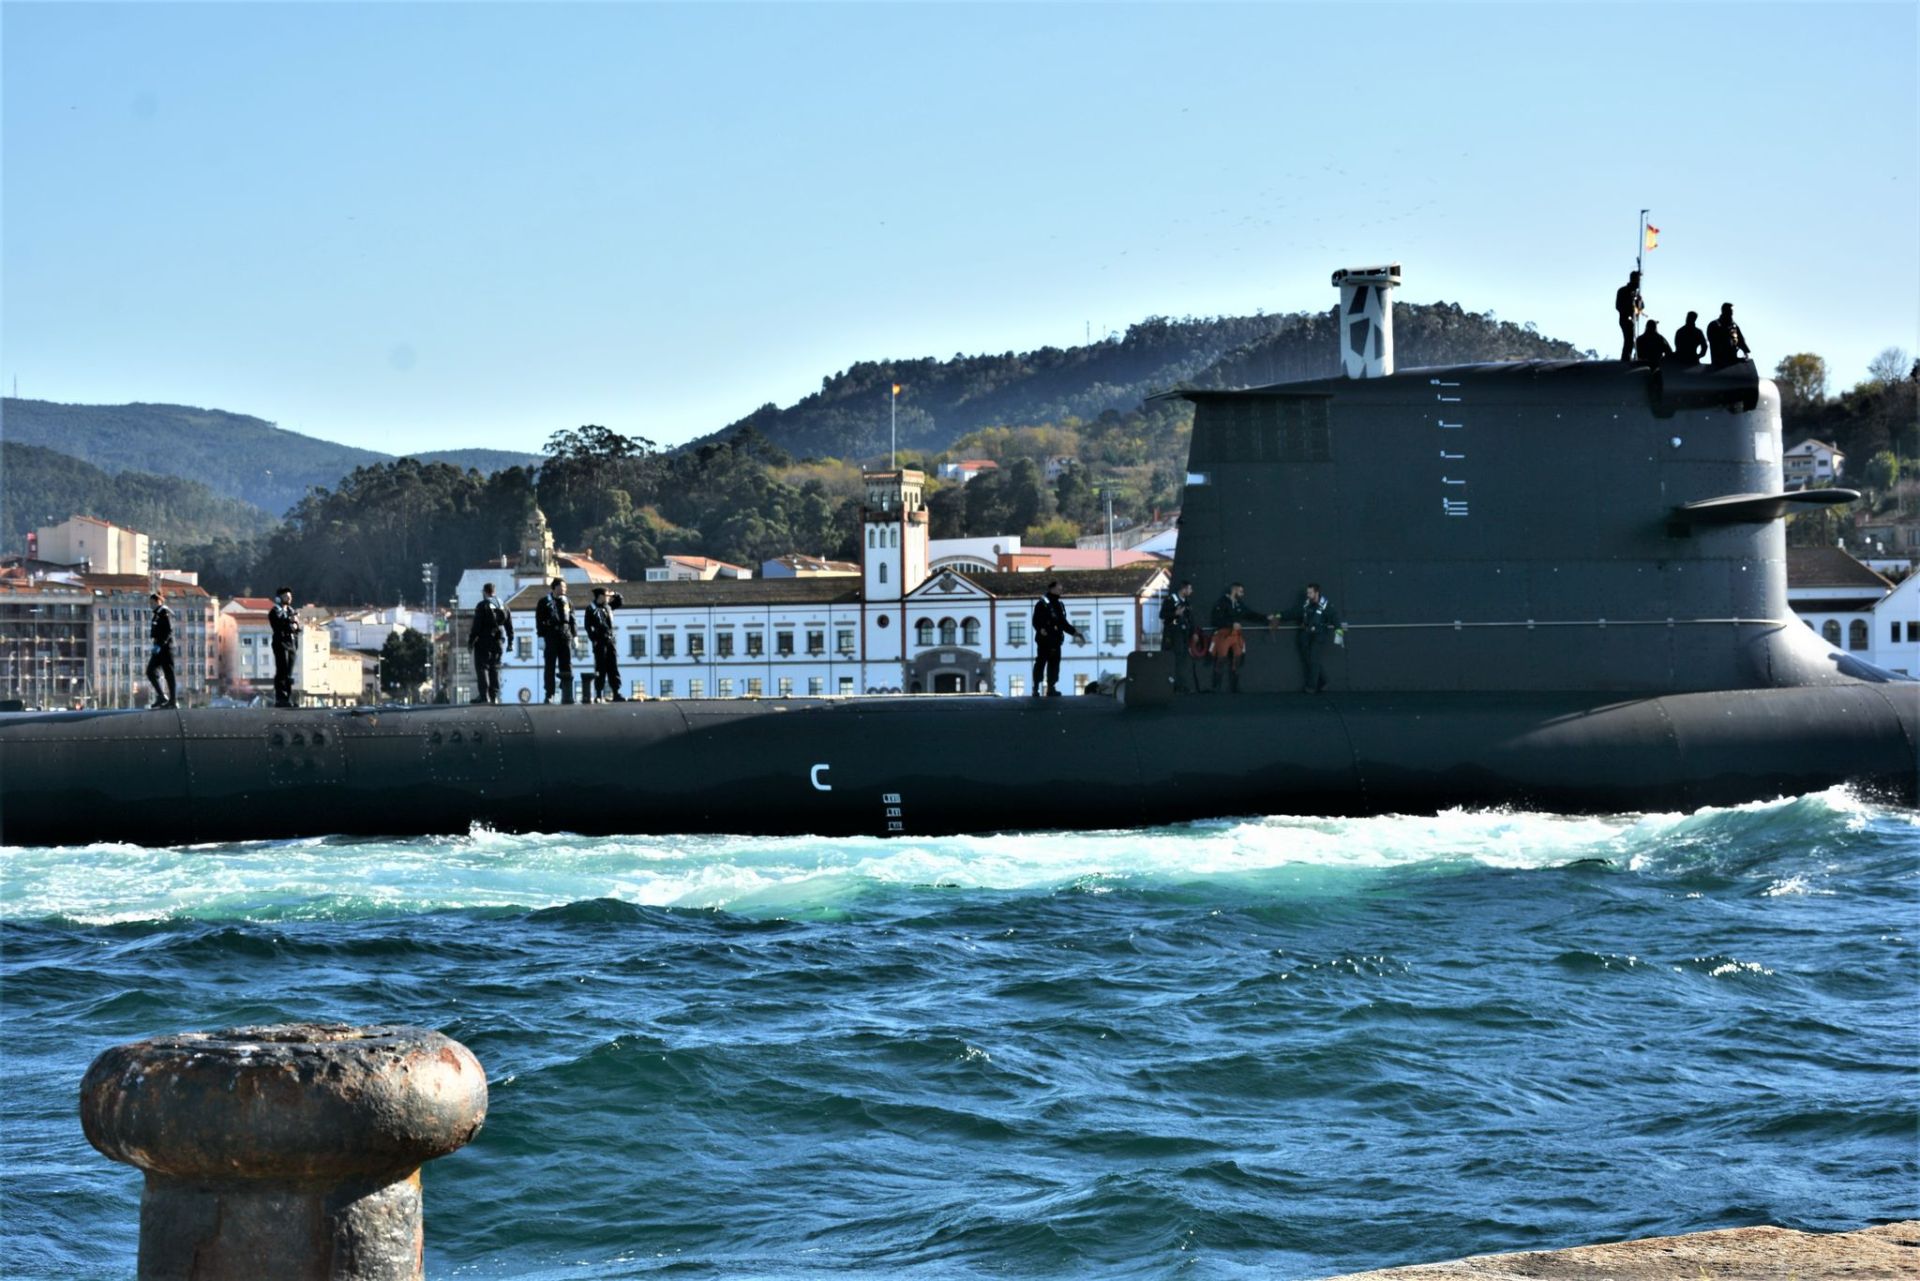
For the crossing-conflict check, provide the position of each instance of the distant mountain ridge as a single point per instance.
(43, 486)
(942, 400)
(250, 459)
(234, 455)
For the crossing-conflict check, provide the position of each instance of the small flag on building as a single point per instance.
(896, 389)
(1653, 236)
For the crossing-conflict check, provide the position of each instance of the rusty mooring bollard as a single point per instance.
(290, 1152)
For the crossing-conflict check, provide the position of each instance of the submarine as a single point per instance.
(1564, 588)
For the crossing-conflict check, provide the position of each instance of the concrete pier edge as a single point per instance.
(1888, 1250)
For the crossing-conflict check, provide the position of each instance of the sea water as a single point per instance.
(1252, 1048)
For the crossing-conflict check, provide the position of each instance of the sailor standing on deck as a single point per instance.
(1689, 344)
(1176, 636)
(160, 663)
(492, 633)
(606, 660)
(1627, 306)
(1652, 347)
(1725, 343)
(286, 645)
(553, 621)
(1050, 630)
(1319, 623)
(1229, 642)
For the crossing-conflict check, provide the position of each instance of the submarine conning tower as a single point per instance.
(1525, 526)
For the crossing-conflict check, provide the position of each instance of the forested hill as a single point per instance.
(942, 400)
(44, 487)
(234, 455)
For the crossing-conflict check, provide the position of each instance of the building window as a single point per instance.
(756, 644)
(843, 640)
(1114, 628)
(1894, 632)
(1016, 632)
(1830, 632)
(970, 633)
(1857, 634)
(723, 644)
(696, 644)
(1017, 686)
(869, 537)
(816, 643)
(726, 687)
(786, 687)
(525, 648)
(696, 688)
(949, 632)
(666, 645)
(637, 645)
(755, 687)
(783, 644)
(1080, 683)
(1913, 632)
(666, 689)
(923, 632)
(816, 686)
(846, 686)
(883, 571)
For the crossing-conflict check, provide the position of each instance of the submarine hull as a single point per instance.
(930, 766)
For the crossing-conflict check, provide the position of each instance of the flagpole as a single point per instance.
(1640, 249)
(893, 428)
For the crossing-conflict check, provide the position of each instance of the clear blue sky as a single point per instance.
(418, 226)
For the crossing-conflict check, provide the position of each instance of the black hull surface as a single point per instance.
(930, 766)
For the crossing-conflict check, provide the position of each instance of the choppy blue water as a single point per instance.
(1266, 1048)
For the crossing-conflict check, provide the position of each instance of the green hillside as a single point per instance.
(234, 455)
(943, 400)
(42, 486)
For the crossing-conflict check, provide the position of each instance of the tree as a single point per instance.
(1890, 366)
(1051, 533)
(406, 660)
(1802, 378)
(1882, 471)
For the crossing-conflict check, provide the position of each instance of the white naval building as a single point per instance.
(902, 626)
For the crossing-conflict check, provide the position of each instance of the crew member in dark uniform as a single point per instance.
(1229, 642)
(1652, 347)
(1319, 625)
(1689, 344)
(553, 623)
(492, 633)
(286, 645)
(606, 659)
(1726, 345)
(160, 662)
(1050, 631)
(1627, 305)
(1176, 636)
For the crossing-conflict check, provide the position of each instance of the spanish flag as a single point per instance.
(896, 389)
(1653, 236)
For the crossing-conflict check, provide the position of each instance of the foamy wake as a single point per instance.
(334, 878)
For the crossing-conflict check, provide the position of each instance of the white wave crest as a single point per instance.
(801, 875)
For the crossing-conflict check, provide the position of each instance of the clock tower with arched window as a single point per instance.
(893, 536)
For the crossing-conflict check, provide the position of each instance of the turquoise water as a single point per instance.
(1258, 1048)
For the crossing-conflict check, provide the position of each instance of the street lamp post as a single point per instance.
(430, 590)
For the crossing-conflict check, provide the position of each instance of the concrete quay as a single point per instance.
(1889, 1252)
